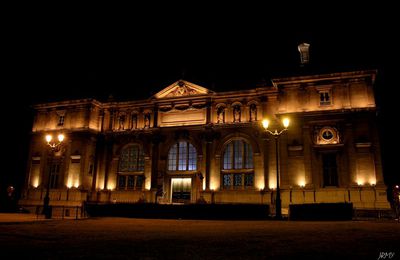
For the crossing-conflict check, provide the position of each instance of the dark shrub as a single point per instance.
(190, 211)
(321, 211)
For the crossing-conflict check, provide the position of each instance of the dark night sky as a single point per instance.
(134, 52)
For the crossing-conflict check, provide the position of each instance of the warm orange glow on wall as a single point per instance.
(260, 184)
(72, 183)
(214, 182)
(302, 182)
(272, 184)
(111, 185)
(147, 183)
(35, 182)
(360, 181)
(372, 181)
(213, 186)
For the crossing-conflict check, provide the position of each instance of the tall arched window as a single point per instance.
(131, 168)
(182, 156)
(237, 167)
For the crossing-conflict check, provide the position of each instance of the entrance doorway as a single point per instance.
(181, 189)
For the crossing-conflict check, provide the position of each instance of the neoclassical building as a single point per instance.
(188, 144)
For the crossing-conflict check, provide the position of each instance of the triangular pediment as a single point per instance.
(182, 88)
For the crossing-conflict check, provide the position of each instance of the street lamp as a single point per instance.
(276, 134)
(55, 147)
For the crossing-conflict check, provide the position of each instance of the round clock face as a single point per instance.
(327, 134)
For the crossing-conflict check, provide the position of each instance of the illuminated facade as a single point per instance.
(187, 144)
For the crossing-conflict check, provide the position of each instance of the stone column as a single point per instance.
(96, 161)
(307, 144)
(100, 122)
(283, 161)
(376, 149)
(351, 155)
(209, 136)
(108, 156)
(265, 150)
(111, 122)
(346, 96)
(155, 146)
(155, 117)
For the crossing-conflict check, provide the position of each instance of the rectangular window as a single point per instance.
(131, 182)
(54, 175)
(227, 182)
(330, 169)
(121, 182)
(248, 180)
(237, 180)
(35, 161)
(139, 181)
(60, 120)
(325, 98)
(74, 160)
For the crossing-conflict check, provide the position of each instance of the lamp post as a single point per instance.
(54, 147)
(276, 134)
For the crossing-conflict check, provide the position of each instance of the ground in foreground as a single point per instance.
(125, 238)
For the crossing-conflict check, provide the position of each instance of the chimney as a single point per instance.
(304, 53)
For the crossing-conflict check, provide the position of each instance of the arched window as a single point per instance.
(237, 166)
(182, 156)
(132, 159)
(131, 168)
(238, 154)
